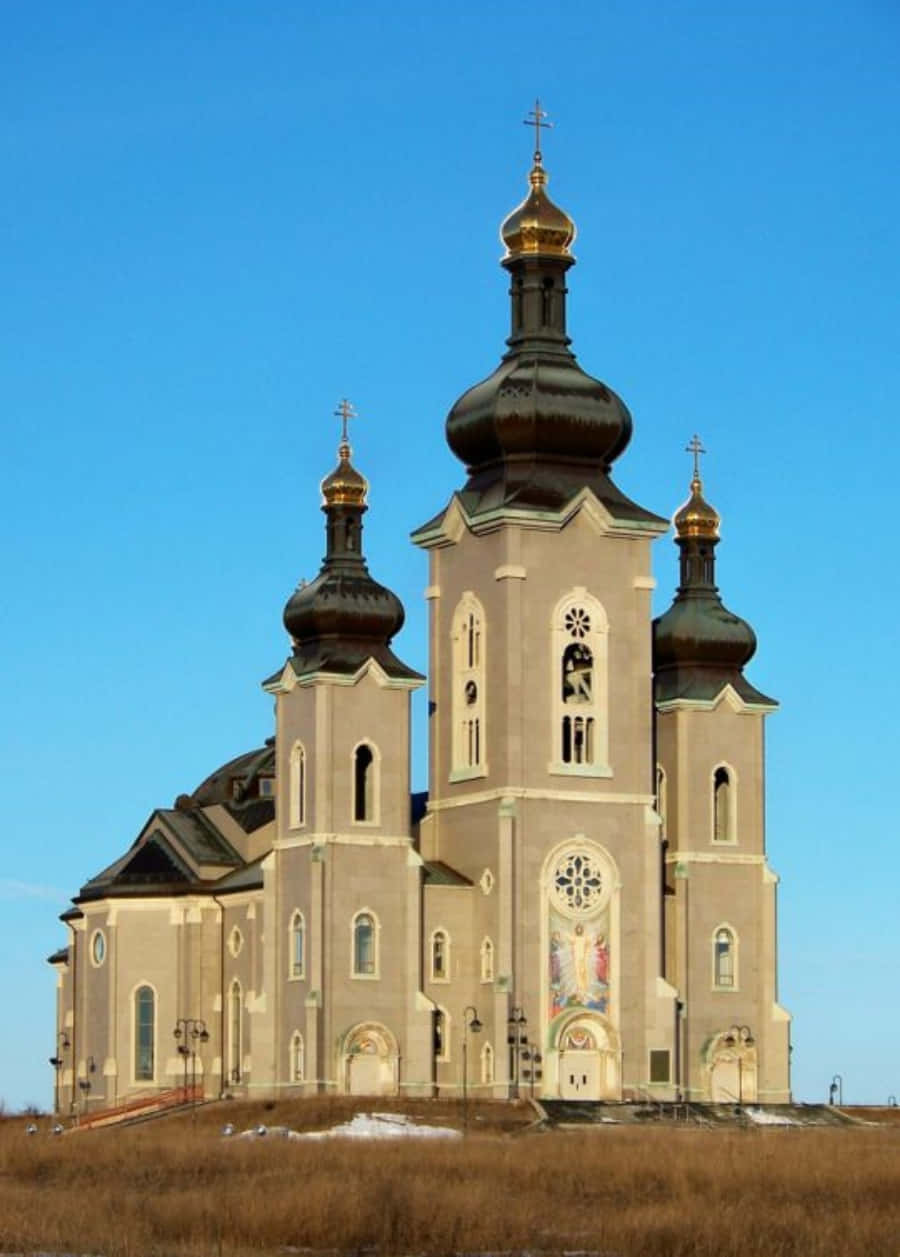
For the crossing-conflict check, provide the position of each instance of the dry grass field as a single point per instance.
(172, 1188)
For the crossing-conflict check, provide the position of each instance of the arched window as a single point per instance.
(468, 651)
(235, 1031)
(487, 1064)
(144, 1033)
(365, 785)
(441, 1034)
(487, 960)
(365, 946)
(297, 943)
(297, 1057)
(723, 806)
(724, 949)
(662, 801)
(298, 786)
(440, 956)
(580, 697)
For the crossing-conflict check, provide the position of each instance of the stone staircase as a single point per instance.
(561, 1114)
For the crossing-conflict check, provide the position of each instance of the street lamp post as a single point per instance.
(192, 1028)
(740, 1037)
(836, 1089)
(63, 1044)
(474, 1025)
(516, 1037)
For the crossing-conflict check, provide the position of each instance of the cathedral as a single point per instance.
(580, 907)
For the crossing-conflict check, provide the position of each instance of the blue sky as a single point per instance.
(220, 218)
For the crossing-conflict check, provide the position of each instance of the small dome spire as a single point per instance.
(345, 485)
(537, 226)
(696, 518)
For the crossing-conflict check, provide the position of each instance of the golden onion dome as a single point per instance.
(697, 518)
(537, 226)
(345, 486)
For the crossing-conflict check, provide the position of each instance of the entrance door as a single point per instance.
(365, 1075)
(579, 1075)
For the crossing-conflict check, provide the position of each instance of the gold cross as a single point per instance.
(536, 119)
(694, 447)
(344, 412)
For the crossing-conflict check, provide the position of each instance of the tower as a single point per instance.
(541, 772)
(342, 882)
(720, 891)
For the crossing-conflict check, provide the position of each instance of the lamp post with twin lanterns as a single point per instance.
(194, 1029)
(63, 1043)
(470, 1022)
(533, 1071)
(517, 1038)
(740, 1037)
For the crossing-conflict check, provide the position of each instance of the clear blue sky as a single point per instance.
(219, 218)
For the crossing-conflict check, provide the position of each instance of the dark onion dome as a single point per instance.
(540, 429)
(699, 646)
(344, 617)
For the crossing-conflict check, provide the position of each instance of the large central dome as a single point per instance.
(539, 429)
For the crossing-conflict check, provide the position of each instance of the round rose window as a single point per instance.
(577, 883)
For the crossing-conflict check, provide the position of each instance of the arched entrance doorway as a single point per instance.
(588, 1065)
(370, 1061)
(732, 1068)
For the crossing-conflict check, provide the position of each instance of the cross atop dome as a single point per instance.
(536, 119)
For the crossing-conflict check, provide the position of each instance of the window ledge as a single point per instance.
(579, 770)
(467, 774)
(365, 977)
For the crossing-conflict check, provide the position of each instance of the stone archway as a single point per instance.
(587, 1061)
(370, 1061)
(732, 1068)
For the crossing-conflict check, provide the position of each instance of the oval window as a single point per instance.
(98, 948)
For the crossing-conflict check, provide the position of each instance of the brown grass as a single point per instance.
(171, 1189)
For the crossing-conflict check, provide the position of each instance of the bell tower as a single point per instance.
(720, 890)
(541, 775)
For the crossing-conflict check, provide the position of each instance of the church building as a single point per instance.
(580, 907)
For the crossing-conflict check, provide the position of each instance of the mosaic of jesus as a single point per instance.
(579, 966)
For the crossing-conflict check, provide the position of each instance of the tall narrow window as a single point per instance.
(580, 686)
(364, 945)
(298, 945)
(487, 1064)
(297, 1057)
(468, 742)
(235, 1030)
(144, 1033)
(363, 783)
(723, 958)
(440, 956)
(298, 786)
(487, 960)
(723, 803)
(662, 801)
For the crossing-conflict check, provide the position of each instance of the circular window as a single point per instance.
(578, 622)
(578, 886)
(98, 948)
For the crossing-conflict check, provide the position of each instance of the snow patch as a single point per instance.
(764, 1117)
(362, 1126)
